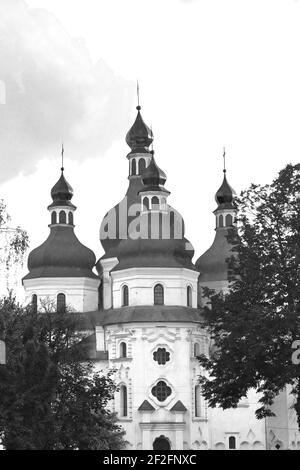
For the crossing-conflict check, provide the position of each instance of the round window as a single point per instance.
(161, 391)
(161, 356)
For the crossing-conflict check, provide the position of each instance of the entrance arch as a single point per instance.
(161, 443)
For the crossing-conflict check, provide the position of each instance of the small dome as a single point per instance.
(140, 136)
(62, 192)
(213, 265)
(226, 194)
(61, 255)
(153, 177)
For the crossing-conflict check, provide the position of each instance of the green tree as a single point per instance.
(254, 326)
(13, 246)
(50, 395)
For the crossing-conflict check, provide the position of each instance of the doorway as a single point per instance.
(161, 443)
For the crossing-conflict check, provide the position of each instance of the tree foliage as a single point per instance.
(50, 395)
(14, 243)
(256, 323)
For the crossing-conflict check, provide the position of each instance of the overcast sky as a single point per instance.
(212, 73)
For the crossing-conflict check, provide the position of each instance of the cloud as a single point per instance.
(50, 90)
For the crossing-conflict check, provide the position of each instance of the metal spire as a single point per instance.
(138, 95)
(62, 156)
(152, 145)
(224, 160)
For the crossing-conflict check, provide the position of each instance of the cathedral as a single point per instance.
(140, 306)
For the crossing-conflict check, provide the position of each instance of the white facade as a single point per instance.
(139, 372)
(141, 282)
(81, 292)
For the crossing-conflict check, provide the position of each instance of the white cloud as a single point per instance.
(53, 92)
(212, 73)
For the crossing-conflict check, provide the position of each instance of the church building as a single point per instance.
(141, 306)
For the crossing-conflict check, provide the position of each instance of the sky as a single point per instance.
(212, 74)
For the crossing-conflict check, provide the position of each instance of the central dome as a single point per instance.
(174, 253)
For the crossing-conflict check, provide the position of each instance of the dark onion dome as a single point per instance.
(225, 194)
(213, 264)
(61, 255)
(140, 136)
(62, 192)
(151, 253)
(156, 252)
(153, 177)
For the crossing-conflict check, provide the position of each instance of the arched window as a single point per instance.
(123, 400)
(189, 299)
(142, 165)
(196, 349)
(158, 295)
(221, 222)
(172, 225)
(146, 203)
(228, 220)
(197, 401)
(53, 217)
(155, 203)
(100, 297)
(34, 303)
(123, 349)
(71, 218)
(133, 167)
(61, 303)
(161, 391)
(62, 217)
(232, 443)
(125, 296)
(161, 443)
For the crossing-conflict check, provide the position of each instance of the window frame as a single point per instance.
(125, 295)
(123, 349)
(34, 303)
(123, 401)
(189, 296)
(166, 354)
(61, 308)
(158, 386)
(229, 442)
(158, 297)
(197, 396)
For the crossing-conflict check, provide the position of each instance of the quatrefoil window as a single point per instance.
(161, 391)
(161, 355)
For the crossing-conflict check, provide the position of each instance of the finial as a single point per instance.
(138, 95)
(224, 160)
(62, 156)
